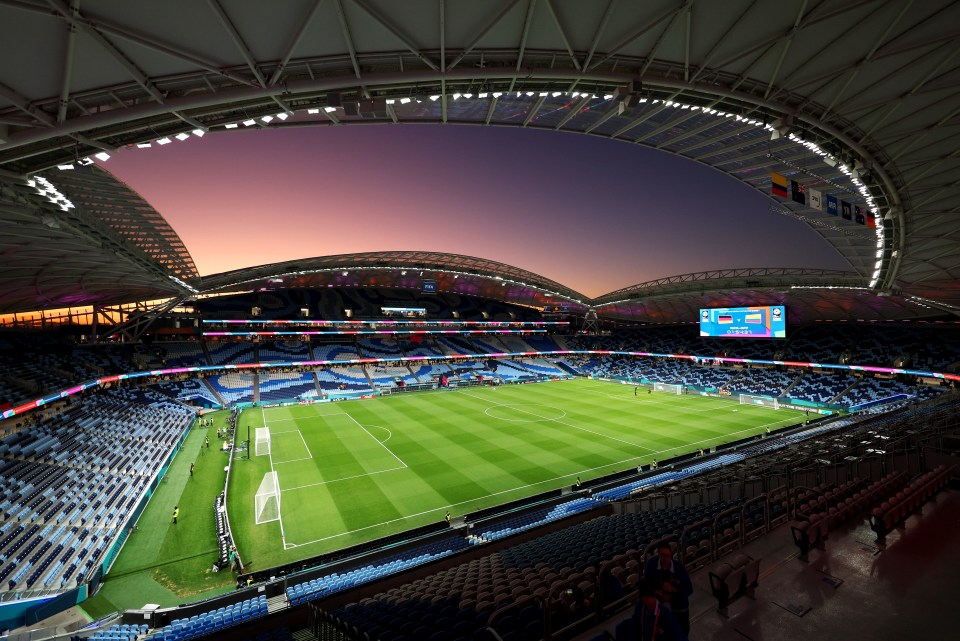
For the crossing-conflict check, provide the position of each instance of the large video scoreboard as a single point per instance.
(744, 322)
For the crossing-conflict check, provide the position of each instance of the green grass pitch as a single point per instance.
(354, 471)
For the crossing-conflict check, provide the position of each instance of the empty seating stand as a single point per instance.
(731, 579)
(819, 512)
(894, 512)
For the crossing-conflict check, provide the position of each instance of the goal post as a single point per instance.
(262, 441)
(267, 500)
(760, 401)
(669, 388)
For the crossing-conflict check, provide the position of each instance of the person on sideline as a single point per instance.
(176, 513)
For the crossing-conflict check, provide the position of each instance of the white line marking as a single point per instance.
(287, 420)
(283, 537)
(381, 427)
(375, 438)
(583, 429)
(345, 478)
(305, 458)
(305, 443)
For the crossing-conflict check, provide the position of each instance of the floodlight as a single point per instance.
(608, 96)
(266, 118)
(182, 136)
(231, 125)
(283, 115)
(329, 109)
(102, 156)
(199, 132)
(65, 167)
(556, 93)
(390, 101)
(434, 98)
(404, 101)
(468, 95)
(497, 94)
(143, 145)
(163, 141)
(346, 273)
(86, 161)
(542, 94)
(456, 96)
(249, 123)
(403, 273)
(313, 111)
(482, 94)
(529, 94)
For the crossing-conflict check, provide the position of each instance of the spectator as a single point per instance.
(653, 621)
(672, 583)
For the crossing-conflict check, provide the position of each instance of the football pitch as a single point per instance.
(353, 471)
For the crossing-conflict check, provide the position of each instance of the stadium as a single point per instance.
(444, 445)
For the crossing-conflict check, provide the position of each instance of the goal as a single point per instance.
(262, 441)
(669, 388)
(266, 503)
(761, 401)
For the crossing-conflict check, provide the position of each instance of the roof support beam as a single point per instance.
(563, 35)
(237, 40)
(387, 24)
(23, 104)
(656, 45)
(532, 113)
(96, 28)
(347, 38)
(491, 109)
(531, 5)
(576, 109)
(647, 113)
(510, 4)
(787, 41)
(68, 64)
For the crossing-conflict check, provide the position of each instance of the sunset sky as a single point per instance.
(593, 214)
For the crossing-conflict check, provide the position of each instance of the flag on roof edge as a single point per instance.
(833, 206)
(815, 199)
(799, 192)
(859, 215)
(778, 184)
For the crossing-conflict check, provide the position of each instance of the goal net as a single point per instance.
(262, 441)
(267, 501)
(669, 388)
(761, 401)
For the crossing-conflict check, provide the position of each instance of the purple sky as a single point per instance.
(593, 214)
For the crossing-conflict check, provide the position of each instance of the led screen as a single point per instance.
(744, 322)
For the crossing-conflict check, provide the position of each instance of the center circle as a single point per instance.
(525, 413)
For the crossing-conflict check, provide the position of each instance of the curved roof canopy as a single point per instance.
(857, 100)
(451, 273)
(85, 240)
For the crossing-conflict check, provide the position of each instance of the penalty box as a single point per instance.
(324, 449)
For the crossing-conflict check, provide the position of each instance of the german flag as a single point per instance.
(778, 183)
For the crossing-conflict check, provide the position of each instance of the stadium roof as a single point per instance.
(857, 100)
(99, 244)
(451, 273)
